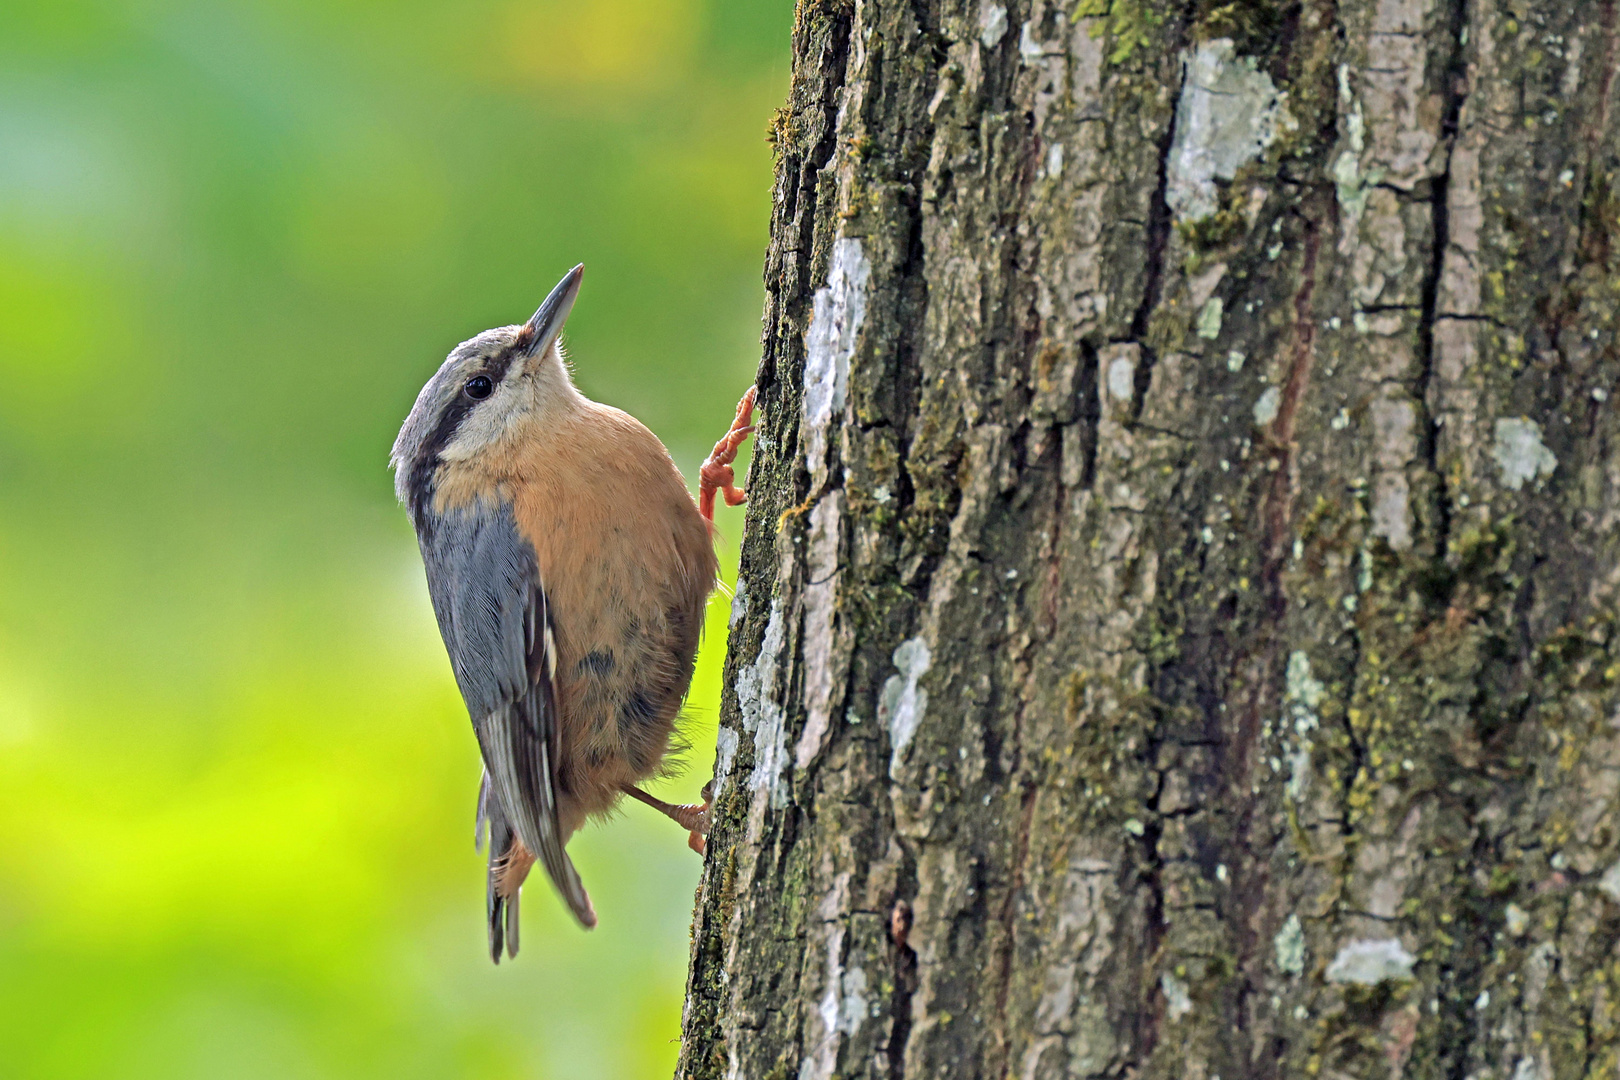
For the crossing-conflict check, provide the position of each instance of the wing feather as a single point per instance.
(496, 624)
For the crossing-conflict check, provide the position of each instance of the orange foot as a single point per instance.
(691, 816)
(716, 474)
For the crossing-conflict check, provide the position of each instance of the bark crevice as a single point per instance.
(1158, 227)
(1454, 94)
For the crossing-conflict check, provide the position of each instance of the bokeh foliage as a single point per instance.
(236, 781)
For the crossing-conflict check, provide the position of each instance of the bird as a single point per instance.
(568, 568)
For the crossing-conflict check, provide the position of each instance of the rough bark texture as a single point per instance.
(1176, 633)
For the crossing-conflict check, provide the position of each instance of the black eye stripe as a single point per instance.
(450, 418)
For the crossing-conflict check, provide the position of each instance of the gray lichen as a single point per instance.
(992, 25)
(1229, 113)
(1289, 944)
(1519, 452)
(1609, 883)
(1368, 963)
(1267, 405)
(839, 310)
(904, 702)
(1177, 1001)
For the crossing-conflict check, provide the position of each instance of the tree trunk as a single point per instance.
(1176, 631)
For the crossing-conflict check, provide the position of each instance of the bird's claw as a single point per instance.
(694, 817)
(698, 838)
(716, 473)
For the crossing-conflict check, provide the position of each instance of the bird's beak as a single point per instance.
(547, 323)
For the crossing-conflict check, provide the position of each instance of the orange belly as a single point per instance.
(627, 565)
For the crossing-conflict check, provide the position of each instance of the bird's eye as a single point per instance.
(479, 387)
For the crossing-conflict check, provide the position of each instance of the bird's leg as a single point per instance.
(715, 474)
(690, 816)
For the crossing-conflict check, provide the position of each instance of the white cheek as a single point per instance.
(489, 422)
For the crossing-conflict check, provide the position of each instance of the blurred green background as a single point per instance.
(236, 780)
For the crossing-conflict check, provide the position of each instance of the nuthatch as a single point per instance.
(569, 568)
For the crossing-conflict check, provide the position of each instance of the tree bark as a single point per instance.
(1176, 628)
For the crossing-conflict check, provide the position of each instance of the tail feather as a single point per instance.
(496, 909)
(501, 896)
(481, 820)
(503, 925)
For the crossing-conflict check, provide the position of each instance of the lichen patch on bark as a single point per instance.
(1229, 113)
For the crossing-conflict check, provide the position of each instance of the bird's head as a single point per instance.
(486, 391)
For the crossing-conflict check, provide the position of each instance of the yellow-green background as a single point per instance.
(236, 781)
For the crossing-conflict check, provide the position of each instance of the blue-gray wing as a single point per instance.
(492, 612)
